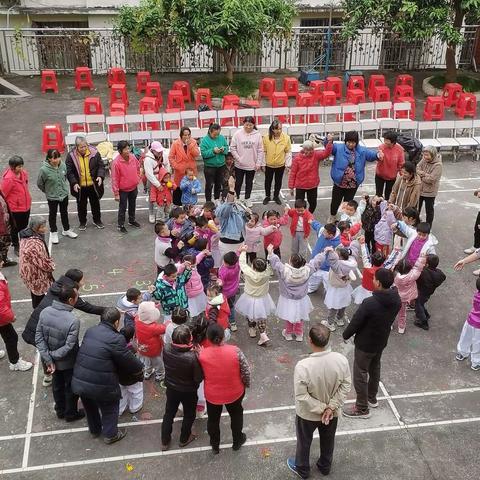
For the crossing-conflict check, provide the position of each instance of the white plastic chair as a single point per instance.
(75, 120)
(95, 120)
(140, 136)
(96, 137)
(428, 140)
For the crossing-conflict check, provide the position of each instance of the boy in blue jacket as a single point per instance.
(190, 187)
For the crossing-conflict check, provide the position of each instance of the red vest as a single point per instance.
(221, 368)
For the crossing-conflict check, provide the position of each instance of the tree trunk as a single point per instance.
(228, 57)
(450, 60)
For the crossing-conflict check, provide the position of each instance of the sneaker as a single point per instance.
(165, 447)
(54, 237)
(238, 446)
(215, 450)
(420, 324)
(340, 322)
(287, 336)
(151, 219)
(133, 412)
(476, 272)
(354, 412)
(69, 234)
(9, 263)
(263, 339)
(410, 307)
(47, 380)
(266, 200)
(299, 338)
(82, 227)
(2, 354)
(401, 330)
(460, 357)
(373, 404)
(277, 200)
(122, 229)
(190, 439)
(201, 411)
(248, 203)
(120, 434)
(20, 366)
(475, 367)
(330, 326)
(252, 332)
(78, 416)
(291, 465)
(159, 377)
(99, 225)
(147, 374)
(233, 327)
(469, 251)
(134, 224)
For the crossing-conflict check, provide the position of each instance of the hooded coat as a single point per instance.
(15, 191)
(52, 181)
(430, 174)
(148, 331)
(406, 193)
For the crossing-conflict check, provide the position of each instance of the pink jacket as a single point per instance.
(253, 236)
(125, 175)
(473, 318)
(407, 284)
(15, 191)
(247, 150)
(230, 277)
(194, 286)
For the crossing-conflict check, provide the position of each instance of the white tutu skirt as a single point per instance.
(255, 308)
(197, 305)
(359, 294)
(217, 258)
(338, 297)
(294, 311)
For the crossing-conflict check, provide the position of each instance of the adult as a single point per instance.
(473, 257)
(7, 330)
(102, 357)
(18, 198)
(371, 324)
(249, 156)
(152, 163)
(183, 154)
(224, 386)
(52, 181)
(57, 341)
(348, 169)
(213, 147)
(5, 232)
(321, 382)
(429, 169)
(232, 217)
(72, 278)
(86, 173)
(390, 165)
(406, 189)
(36, 264)
(304, 177)
(125, 179)
(183, 375)
(278, 156)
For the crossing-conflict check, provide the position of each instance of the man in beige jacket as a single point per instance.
(322, 382)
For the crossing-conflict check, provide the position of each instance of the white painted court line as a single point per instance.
(392, 406)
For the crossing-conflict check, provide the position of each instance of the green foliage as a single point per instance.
(242, 85)
(470, 84)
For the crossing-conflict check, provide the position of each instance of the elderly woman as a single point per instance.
(429, 170)
(16, 193)
(183, 154)
(36, 265)
(406, 190)
(304, 177)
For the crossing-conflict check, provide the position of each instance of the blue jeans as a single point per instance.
(231, 304)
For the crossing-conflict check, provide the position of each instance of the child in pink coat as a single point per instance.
(197, 300)
(229, 278)
(254, 231)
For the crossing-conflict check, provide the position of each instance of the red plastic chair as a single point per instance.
(355, 96)
(434, 109)
(316, 89)
(153, 89)
(203, 95)
(116, 76)
(290, 86)
(49, 81)
(404, 79)
(328, 98)
(403, 113)
(52, 137)
(381, 94)
(148, 105)
(175, 100)
(375, 81)
(334, 84)
(466, 105)
(118, 94)
(184, 87)
(402, 91)
(92, 106)
(142, 79)
(356, 82)
(229, 100)
(83, 78)
(279, 99)
(304, 99)
(117, 109)
(267, 88)
(451, 93)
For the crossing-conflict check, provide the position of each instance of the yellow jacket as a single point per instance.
(278, 153)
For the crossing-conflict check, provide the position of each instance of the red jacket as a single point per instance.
(275, 238)
(304, 173)
(15, 191)
(292, 213)
(162, 196)
(221, 368)
(367, 277)
(392, 163)
(346, 238)
(223, 314)
(125, 175)
(6, 312)
(149, 338)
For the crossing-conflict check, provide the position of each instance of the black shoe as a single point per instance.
(238, 446)
(78, 416)
(134, 224)
(120, 434)
(9, 263)
(60, 415)
(277, 200)
(215, 450)
(16, 250)
(95, 434)
(420, 324)
(99, 225)
(122, 229)
(82, 227)
(266, 200)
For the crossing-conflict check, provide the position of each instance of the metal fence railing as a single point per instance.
(29, 50)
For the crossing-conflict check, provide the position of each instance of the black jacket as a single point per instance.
(28, 334)
(182, 368)
(371, 323)
(96, 166)
(429, 280)
(102, 356)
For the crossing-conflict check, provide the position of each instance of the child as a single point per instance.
(229, 276)
(197, 300)
(170, 289)
(255, 302)
(294, 306)
(419, 240)
(300, 226)
(179, 317)
(218, 308)
(351, 211)
(369, 219)
(469, 342)
(273, 218)
(208, 211)
(428, 281)
(128, 305)
(406, 283)
(339, 290)
(204, 229)
(411, 216)
(370, 266)
(228, 172)
(383, 234)
(203, 261)
(190, 187)
(149, 338)
(179, 225)
(348, 232)
(327, 236)
(162, 195)
(253, 233)
(165, 253)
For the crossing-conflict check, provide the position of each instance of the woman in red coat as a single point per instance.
(7, 331)
(304, 177)
(16, 193)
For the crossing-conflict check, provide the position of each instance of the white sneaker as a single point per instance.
(287, 336)
(151, 218)
(476, 272)
(469, 251)
(263, 339)
(70, 234)
(340, 322)
(2, 354)
(248, 203)
(54, 237)
(401, 330)
(299, 338)
(21, 366)
(47, 380)
(252, 332)
(330, 326)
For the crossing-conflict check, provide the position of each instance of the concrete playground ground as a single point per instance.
(426, 426)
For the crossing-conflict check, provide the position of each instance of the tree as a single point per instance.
(413, 20)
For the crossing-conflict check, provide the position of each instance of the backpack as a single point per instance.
(411, 145)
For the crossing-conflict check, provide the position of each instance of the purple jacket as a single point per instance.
(230, 277)
(473, 318)
(383, 233)
(293, 282)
